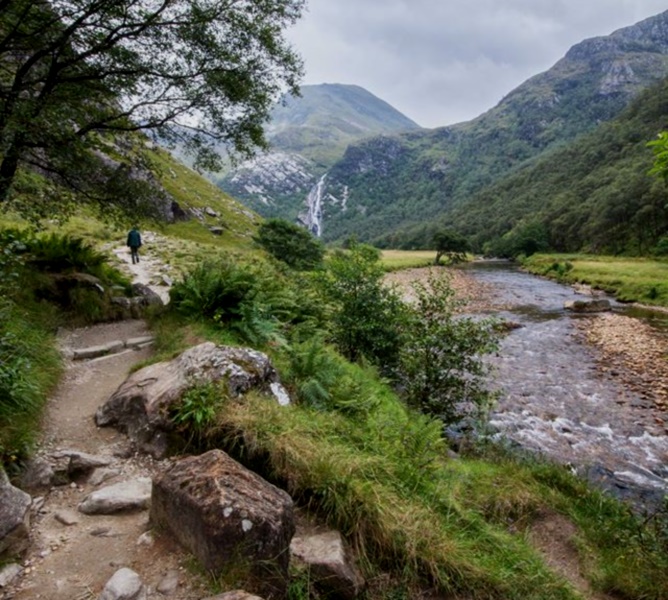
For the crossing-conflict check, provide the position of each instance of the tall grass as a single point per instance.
(629, 279)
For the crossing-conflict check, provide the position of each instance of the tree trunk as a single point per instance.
(8, 168)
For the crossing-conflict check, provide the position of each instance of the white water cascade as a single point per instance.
(313, 217)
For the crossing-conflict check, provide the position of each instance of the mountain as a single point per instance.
(595, 195)
(307, 135)
(390, 182)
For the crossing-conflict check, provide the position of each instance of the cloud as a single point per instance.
(441, 61)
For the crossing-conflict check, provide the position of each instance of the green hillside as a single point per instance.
(394, 182)
(595, 195)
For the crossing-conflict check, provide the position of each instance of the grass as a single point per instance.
(394, 260)
(642, 280)
(459, 525)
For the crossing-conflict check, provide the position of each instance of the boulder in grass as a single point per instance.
(142, 404)
(324, 554)
(223, 513)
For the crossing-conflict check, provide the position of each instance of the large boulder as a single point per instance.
(324, 555)
(142, 404)
(225, 514)
(14, 518)
(588, 306)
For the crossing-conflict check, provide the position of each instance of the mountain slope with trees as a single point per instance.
(392, 182)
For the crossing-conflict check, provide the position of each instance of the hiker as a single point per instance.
(134, 241)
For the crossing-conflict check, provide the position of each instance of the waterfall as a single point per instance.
(313, 217)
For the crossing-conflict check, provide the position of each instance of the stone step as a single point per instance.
(111, 347)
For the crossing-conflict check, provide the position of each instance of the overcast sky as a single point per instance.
(445, 61)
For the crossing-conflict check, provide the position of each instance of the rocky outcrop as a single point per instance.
(324, 555)
(142, 404)
(221, 512)
(588, 306)
(14, 518)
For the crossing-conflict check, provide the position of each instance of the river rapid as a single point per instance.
(554, 398)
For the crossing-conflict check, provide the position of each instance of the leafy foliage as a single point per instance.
(366, 317)
(452, 244)
(204, 72)
(441, 368)
(291, 244)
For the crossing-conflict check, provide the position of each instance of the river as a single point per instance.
(555, 400)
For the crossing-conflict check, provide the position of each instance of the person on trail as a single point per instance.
(134, 241)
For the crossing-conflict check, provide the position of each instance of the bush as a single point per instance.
(367, 315)
(441, 371)
(291, 244)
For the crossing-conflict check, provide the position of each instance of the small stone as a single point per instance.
(125, 584)
(145, 539)
(169, 583)
(66, 517)
(8, 573)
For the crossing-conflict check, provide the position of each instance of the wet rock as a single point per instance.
(14, 518)
(588, 306)
(125, 584)
(330, 570)
(221, 512)
(141, 405)
(121, 497)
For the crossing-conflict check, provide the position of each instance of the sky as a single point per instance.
(445, 61)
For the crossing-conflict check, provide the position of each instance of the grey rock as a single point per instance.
(330, 569)
(142, 404)
(66, 517)
(8, 573)
(220, 511)
(99, 476)
(38, 476)
(14, 518)
(217, 230)
(588, 306)
(136, 342)
(146, 295)
(121, 497)
(169, 583)
(80, 462)
(209, 211)
(125, 584)
(96, 351)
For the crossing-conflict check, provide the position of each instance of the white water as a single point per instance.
(314, 205)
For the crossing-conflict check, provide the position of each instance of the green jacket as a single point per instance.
(134, 239)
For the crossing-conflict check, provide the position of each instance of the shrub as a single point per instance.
(441, 371)
(367, 315)
(291, 244)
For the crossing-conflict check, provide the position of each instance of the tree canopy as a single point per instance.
(291, 244)
(203, 72)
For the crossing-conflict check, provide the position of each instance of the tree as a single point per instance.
(660, 148)
(202, 72)
(291, 244)
(452, 244)
(367, 316)
(441, 370)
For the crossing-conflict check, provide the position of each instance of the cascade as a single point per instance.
(313, 218)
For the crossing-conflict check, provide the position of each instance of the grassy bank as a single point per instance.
(394, 260)
(629, 279)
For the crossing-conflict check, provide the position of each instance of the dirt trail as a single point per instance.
(74, 561)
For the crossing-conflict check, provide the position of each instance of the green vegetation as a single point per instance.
(291, 244)
(395, 260)
(629, 279)
(74, 71)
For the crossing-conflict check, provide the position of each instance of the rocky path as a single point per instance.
(73, 554)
